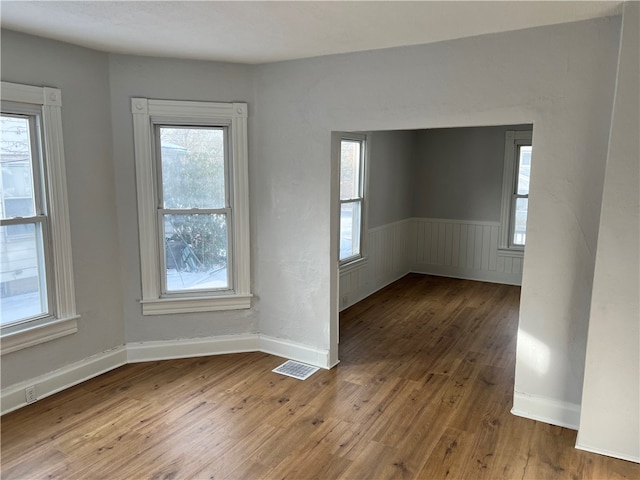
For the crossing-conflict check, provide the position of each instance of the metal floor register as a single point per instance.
(296, 370)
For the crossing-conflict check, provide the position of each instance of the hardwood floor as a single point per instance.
(423, 390)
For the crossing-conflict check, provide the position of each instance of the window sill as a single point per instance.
(167, 306)
(354, 265)
(511, 252)
(39, 331)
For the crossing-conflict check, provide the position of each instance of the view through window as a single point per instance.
(23, 223)
(194, 209)
(351, 198)
(521, 195)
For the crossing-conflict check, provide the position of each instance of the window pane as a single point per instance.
(16, 187)
(22, 274)
(520, 221)
(349, 169)
(350, 229)
(196, 252)
(524, 169)
(193, 167)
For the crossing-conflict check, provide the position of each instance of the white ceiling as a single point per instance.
(268, 31)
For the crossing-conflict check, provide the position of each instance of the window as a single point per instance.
(193, 212)
(36, 283)
(352, 150)
(515, 191)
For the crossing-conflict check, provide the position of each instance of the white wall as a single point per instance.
(83, 77)
(610, 420)
(560, 78)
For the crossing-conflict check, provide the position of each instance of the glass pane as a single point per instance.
(22, 274)
(16, 187)
(520, 221)
(524, 170)
(196, 249)
(193, 170)
(349, 169)
(350, 230)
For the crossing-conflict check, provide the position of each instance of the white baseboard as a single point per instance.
(191, 347)
(547, 410)
(467, 274)
(295, 351)
(13, 397)
(600, 451)
(200, 347)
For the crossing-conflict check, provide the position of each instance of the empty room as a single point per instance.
(431, 208)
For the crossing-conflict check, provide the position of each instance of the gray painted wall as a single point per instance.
(83, 77)
(175, 80)
(458, 173)
(390, 171)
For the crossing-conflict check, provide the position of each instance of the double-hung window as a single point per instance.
(352, 169)
(192, 181)
(515, 191)
(37, 299)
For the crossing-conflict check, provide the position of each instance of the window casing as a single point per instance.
(515, 192)
(194, 224)
(352, 197)
(38, 300)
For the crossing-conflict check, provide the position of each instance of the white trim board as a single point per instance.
(191, 347)
(50, 383)
(600, 451)
(547, 410)
(295, 351)
(200, 347)
(490, 277)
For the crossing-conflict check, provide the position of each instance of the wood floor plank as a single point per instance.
(424, 390)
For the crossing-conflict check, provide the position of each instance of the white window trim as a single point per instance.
(64, 319)
(146, 114)
(513, 139)
(352, 263)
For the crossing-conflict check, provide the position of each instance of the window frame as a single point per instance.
(44, 107)
(149, 114)
(162, 210)
(514, 139)
(361, 199)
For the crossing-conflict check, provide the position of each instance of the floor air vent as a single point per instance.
(296, 370)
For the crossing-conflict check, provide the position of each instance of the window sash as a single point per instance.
(43, 263)
(359, 199)
(32, 114)
(356, 233)
(513, 221)
(40, 220)
(189, 125)
(514, 140)
(519, 143)
(165, 292)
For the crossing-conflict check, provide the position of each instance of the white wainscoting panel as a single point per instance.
(386, 249)
(462, 249)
